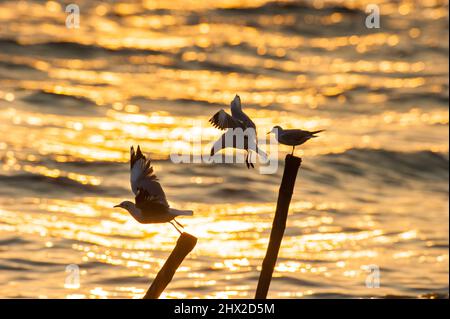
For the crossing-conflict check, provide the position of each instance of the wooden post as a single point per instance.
(292, 164)
(184, 246)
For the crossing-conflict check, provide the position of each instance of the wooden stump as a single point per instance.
(184, 246)
(292, 164)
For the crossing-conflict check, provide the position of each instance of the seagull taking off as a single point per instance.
(151, 205)
(237, 120)
(293, 137)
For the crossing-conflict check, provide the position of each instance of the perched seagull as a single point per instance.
(292, 137)
(238, 119)
(151, 205)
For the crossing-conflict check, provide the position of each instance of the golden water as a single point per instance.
(372, 190)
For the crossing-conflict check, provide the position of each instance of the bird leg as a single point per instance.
(246, 160)
(178, 223)
(251, 163)
(175, 227)
(293, 148)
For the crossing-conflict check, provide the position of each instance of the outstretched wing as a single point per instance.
(248, 123)
(140, 168)
(149, 203)
(222, 120)
(142, 177)
(235, 105)
(239, 115)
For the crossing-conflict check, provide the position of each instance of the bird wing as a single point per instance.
(297, 135)
(142, 176)
(140, 168)
(218, 145)
(242, 117)
(238, 114)
(154, 189)
(149, 203)
(222, 120)
(235, 104)
(304, 133)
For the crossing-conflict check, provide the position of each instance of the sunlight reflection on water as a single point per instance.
(373, 188)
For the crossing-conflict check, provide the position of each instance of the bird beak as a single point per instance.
(268, 133)
(117, 206)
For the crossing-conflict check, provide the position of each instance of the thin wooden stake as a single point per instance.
(292, 164)
(184, 246)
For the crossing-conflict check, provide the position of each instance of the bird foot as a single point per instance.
(249, 164)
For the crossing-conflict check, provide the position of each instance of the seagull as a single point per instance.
(237, 120)
(150, 205)
(293, 137)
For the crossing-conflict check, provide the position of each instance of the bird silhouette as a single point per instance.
(293, 137)
(150, 205)
(237, 120)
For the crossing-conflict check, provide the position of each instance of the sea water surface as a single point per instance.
(372, 190)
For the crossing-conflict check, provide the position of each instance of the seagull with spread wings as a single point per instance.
(237, 120)
(150, 205)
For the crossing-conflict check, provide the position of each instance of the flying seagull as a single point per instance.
(237, 120)
(292, 137)
(150, 205)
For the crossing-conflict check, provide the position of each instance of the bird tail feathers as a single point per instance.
(315, 132)
(178, 212)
